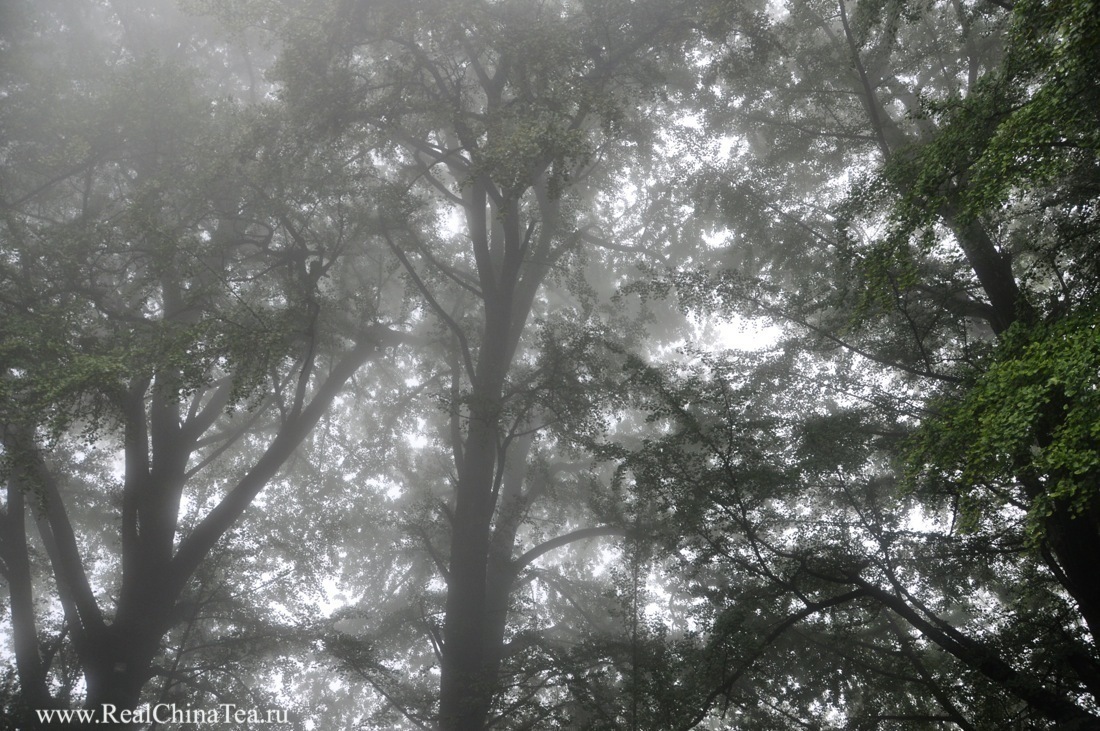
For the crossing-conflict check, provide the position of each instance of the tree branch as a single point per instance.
(564, 540)
(433, 303)
(777, 632)
(195, 546)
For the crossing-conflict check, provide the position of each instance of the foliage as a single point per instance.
(1031, 412)
(561, 503)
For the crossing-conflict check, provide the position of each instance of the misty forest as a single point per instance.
(550, 364)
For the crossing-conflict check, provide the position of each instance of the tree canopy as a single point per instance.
(581, 364)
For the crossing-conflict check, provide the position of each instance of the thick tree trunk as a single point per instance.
(473, 630)
(1075, 544)
(467, 686)
(992, 268)
(121, 666)
(124, 652)
(477, 605)
(1072, 543)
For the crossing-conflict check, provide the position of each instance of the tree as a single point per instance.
(886, 521)
(935, 291)
(812, 579)
(167, 341)
(505, 119)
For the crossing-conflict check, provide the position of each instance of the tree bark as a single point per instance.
(29, 664)
(468, 683)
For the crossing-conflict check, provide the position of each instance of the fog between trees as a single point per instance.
(361, 360)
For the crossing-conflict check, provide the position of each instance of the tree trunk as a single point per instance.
(467, 686)
(29, 666)
(473, 630)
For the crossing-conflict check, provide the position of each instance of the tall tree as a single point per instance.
(952, 287)
(508, 118)
(167, 342)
